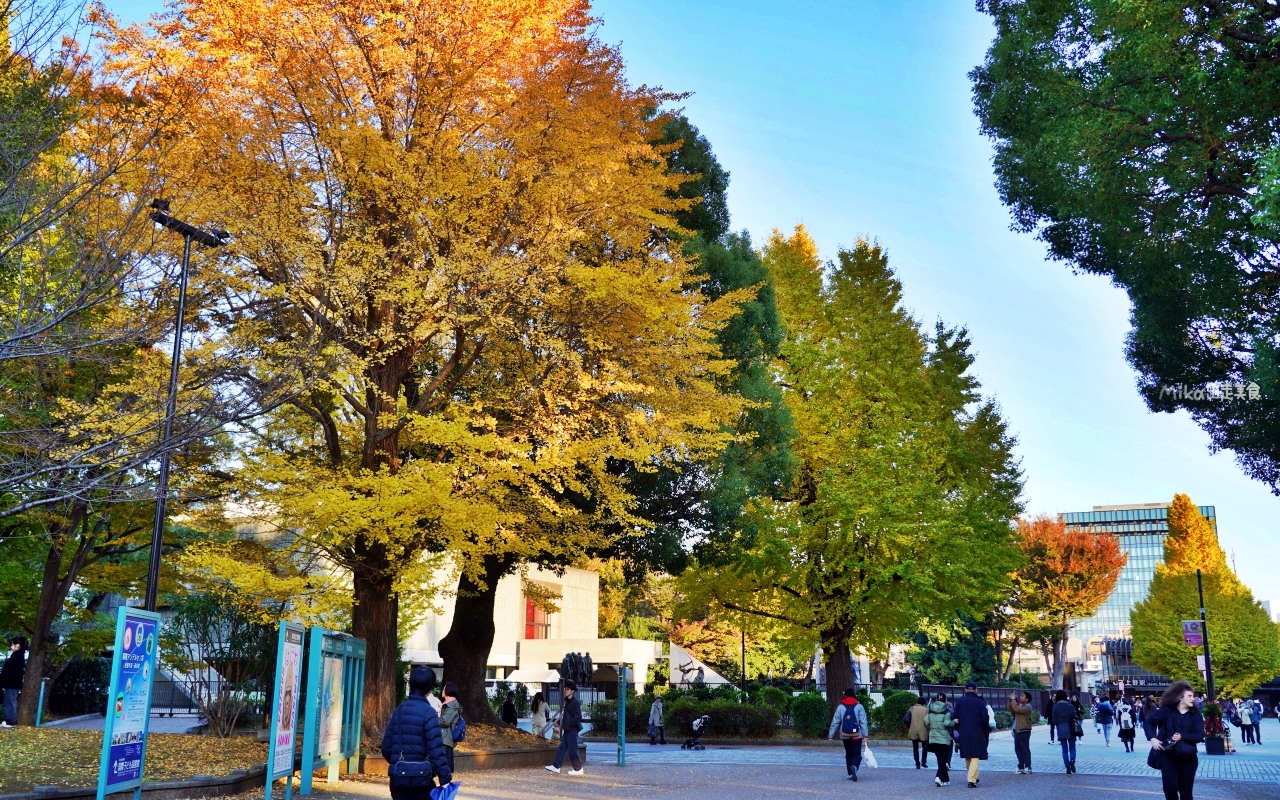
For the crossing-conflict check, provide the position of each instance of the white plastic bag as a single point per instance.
(868, 756)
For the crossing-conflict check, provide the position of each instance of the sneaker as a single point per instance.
(973, 785)
(574, 772)
(1028, 770)
(938, 782)
(5, 725)
(946, 783)
(550, 768)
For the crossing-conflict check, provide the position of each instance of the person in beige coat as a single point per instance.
(918, 733)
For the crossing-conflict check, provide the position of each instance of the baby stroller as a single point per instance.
(694, 742)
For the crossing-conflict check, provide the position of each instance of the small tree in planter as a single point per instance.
(1215, 733)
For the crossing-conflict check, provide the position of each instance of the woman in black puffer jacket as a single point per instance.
(1174, 730)
(413, 735)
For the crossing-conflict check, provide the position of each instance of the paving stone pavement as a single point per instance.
(1254, 763)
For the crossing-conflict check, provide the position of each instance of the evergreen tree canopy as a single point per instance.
(1140, 140)
(901, 506)
(955, 654)
(1244, 642)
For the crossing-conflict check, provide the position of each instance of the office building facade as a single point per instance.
(1105, 636)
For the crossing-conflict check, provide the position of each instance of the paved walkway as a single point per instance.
(1254, 763)
(178, 724)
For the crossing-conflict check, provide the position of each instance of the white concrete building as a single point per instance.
(534, 642)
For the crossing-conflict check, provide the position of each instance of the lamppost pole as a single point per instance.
(1204, 633)
(160, 216)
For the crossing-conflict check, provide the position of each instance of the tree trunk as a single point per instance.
(835, 646)
(1008, 667)
(374, 618)
(53, 593)
(465, 649)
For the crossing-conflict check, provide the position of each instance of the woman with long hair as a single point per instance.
(1174, 730)
(541, 715)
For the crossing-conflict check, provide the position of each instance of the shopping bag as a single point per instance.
(869, 756)
(446, 792)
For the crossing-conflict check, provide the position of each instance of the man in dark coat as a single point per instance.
(975, 729)
(570, 724)
(413, 735)
(509, 715)
(15, 669)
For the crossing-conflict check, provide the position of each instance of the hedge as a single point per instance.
(809, 715)
(888, 716)
(81, 688)
(728, 719)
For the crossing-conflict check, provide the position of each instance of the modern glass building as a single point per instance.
(1141, 529)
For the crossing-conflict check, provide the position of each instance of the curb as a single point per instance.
(241, 780)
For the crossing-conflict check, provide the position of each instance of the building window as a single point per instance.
(536, 625)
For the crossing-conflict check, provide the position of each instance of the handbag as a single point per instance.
(1077, 728)
(411, 774)
(1153, 758)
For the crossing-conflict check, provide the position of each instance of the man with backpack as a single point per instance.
(850, 720)
(453, 728)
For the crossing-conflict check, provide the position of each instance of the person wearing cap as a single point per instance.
(570, 724)
(974, 727)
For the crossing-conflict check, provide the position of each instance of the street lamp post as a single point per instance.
(1204, 633)
(162, 219)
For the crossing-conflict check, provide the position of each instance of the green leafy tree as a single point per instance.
(906, 485)
(1245, 643)
(953, 654)
(1139, 141)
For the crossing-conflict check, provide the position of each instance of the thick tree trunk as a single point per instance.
(374, 618)
(465, 649)
(53, 593)
(835, 646)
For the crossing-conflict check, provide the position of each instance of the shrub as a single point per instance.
(778, 700)
(888, 717)
(82, 687)
(1004, 720)
(810, 715)
(729, 719)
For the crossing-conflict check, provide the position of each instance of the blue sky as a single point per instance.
(855, 119)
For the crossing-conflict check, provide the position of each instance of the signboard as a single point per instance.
(284, 714)
(334, 704)
(133, 671)
(330, 707)
(1192, 633)
(1200, 663)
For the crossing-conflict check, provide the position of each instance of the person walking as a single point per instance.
(1126, 723)
(413, 736)
(1020, 708)
(1093, 712)
(939, 723)
(918, 732)
(1063, 719)
(508, 713)
(450, 713)
(11, 677)
(1047, 715)
(850, 720)
(570, 723)
(1104, 715)
(1174, 730)
(975, 730)
(541, 715)
(656, 735)
(1255, 717)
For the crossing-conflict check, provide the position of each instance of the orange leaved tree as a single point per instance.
(1066, 576)
(449, 236)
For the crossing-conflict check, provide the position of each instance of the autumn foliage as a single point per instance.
(1067, 574)
(452, 244)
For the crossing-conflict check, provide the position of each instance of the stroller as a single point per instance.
(694, 742)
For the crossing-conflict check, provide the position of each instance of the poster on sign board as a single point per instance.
(128, 712)
(288, 681)
(331, 707)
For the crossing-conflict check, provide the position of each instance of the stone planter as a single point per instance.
(1215, 746)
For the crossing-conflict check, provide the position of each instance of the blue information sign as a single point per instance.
(133, 672)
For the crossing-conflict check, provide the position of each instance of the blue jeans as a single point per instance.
(568, 747)
(11, 706)
(1106, 732)
(1068, 749)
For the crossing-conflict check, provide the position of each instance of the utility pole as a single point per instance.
(162, 219)
(1204, 632)
(744, 663)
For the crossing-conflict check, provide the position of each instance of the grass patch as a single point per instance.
(52, 757)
